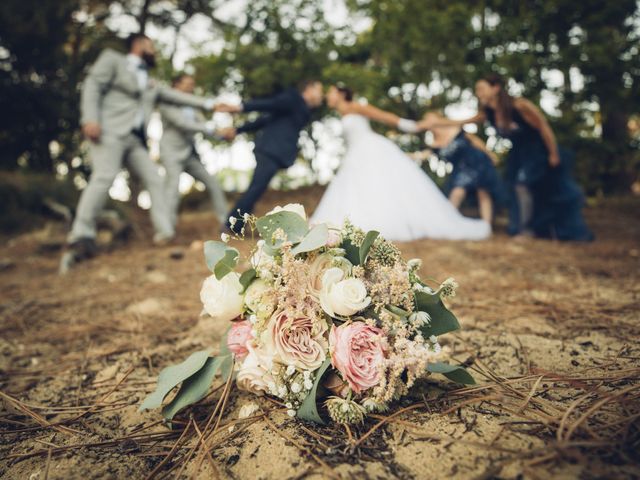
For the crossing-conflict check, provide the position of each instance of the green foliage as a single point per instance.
(309, 409)
(246, 278)
(193, 388)
(316, 238)
(221, 258)
(171, 376)
(367, 243)
(442, 320)
(195, 374)
(416, 55)
(293, 225)
(455, 373)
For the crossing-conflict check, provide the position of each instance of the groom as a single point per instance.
(276, 143)
(116, 102)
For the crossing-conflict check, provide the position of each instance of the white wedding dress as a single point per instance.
(378, 187)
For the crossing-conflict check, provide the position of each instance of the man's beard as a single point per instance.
(149, 59)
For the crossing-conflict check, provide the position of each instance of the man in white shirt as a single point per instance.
(116, 102)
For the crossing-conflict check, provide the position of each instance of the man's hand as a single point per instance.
(228, 108)
(554, 159)
(228, 133)
(92, 131)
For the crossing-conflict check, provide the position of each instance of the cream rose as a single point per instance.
(257, 298)
(299, 342)
(320, 264)
(221, 298)
(254, 374)
(291, 207)
(342, 296)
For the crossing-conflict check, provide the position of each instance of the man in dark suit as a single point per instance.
(276, 143)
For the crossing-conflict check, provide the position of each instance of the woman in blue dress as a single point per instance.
(473, 167)
(545, 200)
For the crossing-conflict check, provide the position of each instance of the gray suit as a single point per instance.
(178, 154)
(113, 97)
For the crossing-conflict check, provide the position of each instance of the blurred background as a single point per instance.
(579, 60)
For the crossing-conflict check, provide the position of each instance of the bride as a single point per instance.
(378, 187)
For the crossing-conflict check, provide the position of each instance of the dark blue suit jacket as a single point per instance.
(278, 128)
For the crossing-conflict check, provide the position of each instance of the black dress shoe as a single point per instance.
(77, 251)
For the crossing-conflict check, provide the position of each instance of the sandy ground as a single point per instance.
(551, 332)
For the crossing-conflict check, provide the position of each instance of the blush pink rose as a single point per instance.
(357, 352)
(237, 338)
(299, 342)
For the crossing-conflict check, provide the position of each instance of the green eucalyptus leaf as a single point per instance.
(309, 408)
(171, 376)
(455, 373)
(220, 257)
(367, 243)
(352, 253)
(442, 320)
(194, 388)
(247, 278)
(293, 225)
(316, 238)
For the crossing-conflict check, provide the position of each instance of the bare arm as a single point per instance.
(480, 145)
(428, 124)
(534, 117)
(374, 113)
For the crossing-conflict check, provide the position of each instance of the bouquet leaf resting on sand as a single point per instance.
(329, 320)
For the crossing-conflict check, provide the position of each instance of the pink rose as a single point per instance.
(237, 338)
(357, 352)
(299, 342)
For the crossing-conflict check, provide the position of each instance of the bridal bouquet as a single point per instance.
(323, 317)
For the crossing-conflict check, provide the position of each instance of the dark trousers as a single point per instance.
(266, 168)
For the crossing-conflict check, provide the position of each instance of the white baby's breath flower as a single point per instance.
(291, 413)
(308, 384)
(225, 237)
(372, 406)
(232, 220)
(296, 387)
(433, 339)
(414, 263)
(420, 318)
(245, 217)
(448, 288)
(290, 370)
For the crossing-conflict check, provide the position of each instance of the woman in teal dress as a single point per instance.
(544, 199)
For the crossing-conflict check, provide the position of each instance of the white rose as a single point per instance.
(254, 374)
(291, 207)
(221, 298)
(256, 300)
(342, 296)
